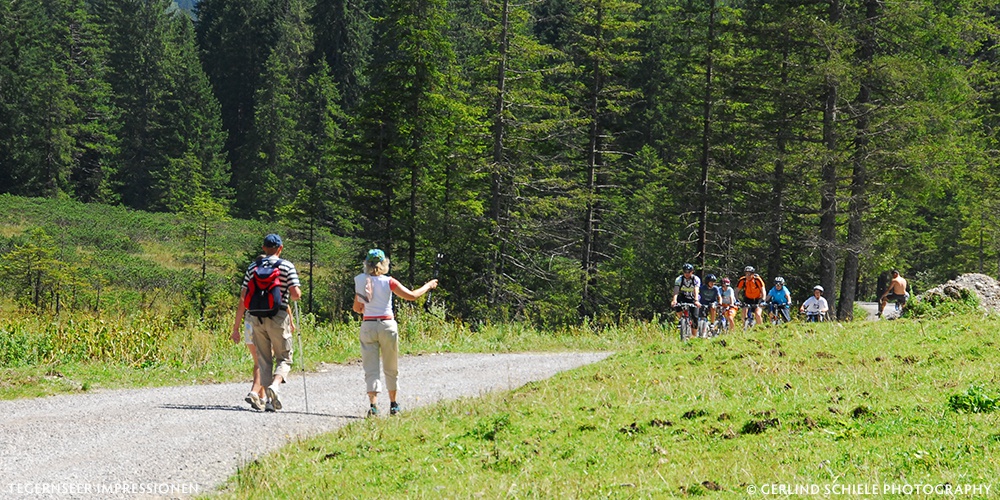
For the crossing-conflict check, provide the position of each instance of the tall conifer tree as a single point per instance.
(236, 38)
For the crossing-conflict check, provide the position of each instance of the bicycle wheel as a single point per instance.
(702, 328)
(685, 326)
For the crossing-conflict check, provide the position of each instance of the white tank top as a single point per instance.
(376, 293)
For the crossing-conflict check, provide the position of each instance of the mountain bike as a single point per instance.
(814, 317)
(721, 320)
(685, 319)
(751, 318)
(705, 327)
(778, 313)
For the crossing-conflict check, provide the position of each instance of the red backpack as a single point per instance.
(263, 298)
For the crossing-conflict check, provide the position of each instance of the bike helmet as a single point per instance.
(748, 269)
(710, 277)
(725, 281)
(779, 281)
(818, 287)
(687, 267)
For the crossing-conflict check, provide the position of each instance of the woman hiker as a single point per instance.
(373, 290)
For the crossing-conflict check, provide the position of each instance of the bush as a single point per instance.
(975, 400)
(14, 348)
(936, 305)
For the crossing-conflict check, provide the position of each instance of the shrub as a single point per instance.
(975, 400)
(936, 305)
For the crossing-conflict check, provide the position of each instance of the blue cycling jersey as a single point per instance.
(779, 296)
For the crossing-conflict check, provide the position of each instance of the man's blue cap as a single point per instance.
(375, 256)
(272, 241)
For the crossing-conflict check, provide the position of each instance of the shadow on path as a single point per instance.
(245, 409)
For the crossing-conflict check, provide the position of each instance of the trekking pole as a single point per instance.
(437, 269)
(302, 358)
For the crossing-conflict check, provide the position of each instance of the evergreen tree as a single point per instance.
(509, 73)
(192, 138)
(600, 40)
(171, 141)
(408, 128)
(236, 38)
(57, 139)
(343, 40)
(277, 137)
(907, 116)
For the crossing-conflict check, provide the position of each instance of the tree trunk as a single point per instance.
(774, 259)
(496, 192)
(705, 144)
(312, 257)
(828, 193)
(588, 263)
(858, 205)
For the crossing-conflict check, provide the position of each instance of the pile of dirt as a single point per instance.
(985, 287)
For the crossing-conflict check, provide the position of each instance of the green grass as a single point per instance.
(829, 404)
(76, 353)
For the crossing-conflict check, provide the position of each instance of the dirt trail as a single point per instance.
(175, 442)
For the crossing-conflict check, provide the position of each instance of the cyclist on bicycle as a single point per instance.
(778, 299)
(709, 297)
(751, 289)
(727, 301)
(816, 306)
(686, 290)
(895, 292)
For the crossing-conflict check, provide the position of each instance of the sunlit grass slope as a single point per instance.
(799, 406)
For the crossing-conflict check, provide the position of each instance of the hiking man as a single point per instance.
(896, 291)
(268, 285)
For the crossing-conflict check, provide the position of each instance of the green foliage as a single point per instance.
(57, 137)
(939, 305)
(64, 255)
(975, 400)
(343, 39)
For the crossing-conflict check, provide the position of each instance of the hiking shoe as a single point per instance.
(269, 407)
(272, 397)
(254, 401)
(373, 411)
(394, 408)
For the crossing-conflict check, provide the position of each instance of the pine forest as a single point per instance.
(553, 161)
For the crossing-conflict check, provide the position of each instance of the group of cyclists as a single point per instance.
(716, 298)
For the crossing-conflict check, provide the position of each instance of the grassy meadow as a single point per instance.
(831, 409)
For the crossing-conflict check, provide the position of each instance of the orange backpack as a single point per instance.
(753, 289)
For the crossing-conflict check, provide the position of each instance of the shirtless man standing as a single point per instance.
(895, 291)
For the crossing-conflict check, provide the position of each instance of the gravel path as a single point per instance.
(890, 311)
(175, 442)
